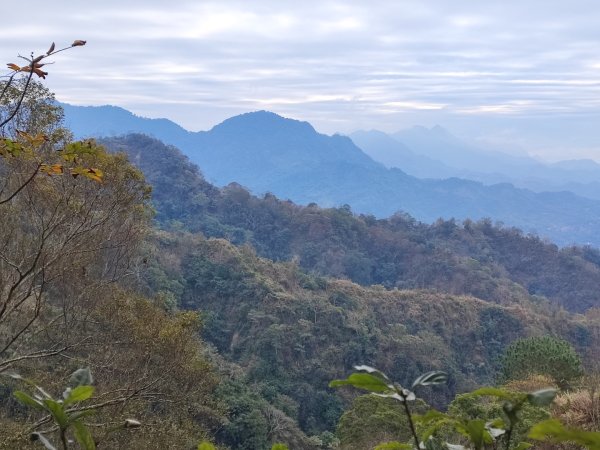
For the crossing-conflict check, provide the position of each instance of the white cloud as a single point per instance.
(335, 63)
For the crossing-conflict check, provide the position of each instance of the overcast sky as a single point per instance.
(524, 75)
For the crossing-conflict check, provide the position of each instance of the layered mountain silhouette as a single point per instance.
(268, 153)
(436, 153)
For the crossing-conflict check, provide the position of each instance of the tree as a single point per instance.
(541, 356)
(69, 219)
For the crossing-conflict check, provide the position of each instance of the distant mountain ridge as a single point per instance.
(436, 153)
(268, 153)
(496, 264)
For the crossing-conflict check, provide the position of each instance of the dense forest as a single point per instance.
(198, 313)
(482, 259)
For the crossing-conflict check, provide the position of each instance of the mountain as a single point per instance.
(98, 121)
(262, 150)
(289, 331)
(439, 144)
(436, 153)
(268, 153)
(393, 153)
(493, 263)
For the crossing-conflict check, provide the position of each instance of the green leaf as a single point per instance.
(45, 442)
(393, 445)
(543, 397)
(476, 431)
(431, 378)
(545, 428)
(58, 412)
(206, 446)
(433, 420)
(371, 370)
(81, 414)
(83, 436)
(78, 394)
(27, 400)
(554, 431)
(364, 381)
(279, 447)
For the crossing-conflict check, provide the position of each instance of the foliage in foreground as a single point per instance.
(432, 430)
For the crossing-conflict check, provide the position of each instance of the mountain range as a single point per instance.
(436, 153)
(268, 153)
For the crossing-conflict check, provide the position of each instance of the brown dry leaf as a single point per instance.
(40, 73)
(78, 43)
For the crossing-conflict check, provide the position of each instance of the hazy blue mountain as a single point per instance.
(97, 121)
(268, 153)
(393, 153)
(436, 153)
(260, 150)
(440, 145)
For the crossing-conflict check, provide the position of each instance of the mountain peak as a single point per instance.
(267, 121)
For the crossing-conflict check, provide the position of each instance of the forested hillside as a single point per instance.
(146, 308)
(292, 332)
(266, 152)
(486, 260)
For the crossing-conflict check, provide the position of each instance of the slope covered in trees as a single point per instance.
(291, 333)
(489, 261)
(86, 286)
(269, 153)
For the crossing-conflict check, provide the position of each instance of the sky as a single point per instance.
(519, 76)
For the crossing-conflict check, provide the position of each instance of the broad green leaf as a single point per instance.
(372, 370)
(546, 428)
(27, 400)
(206, 446)
(364, 381)
(279, 447)
(554, 431)
(81, 414)
(393, 445)
(45, 442)
(410, 396)
(58, 412)
(543, 397)
(476, 431)
(430, 378)
(433, 420)
(78, 394)
(83, 436)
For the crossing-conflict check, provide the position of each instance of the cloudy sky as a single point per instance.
(518, 75)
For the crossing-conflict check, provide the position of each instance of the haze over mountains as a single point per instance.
(268, 153)
(436, 153)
